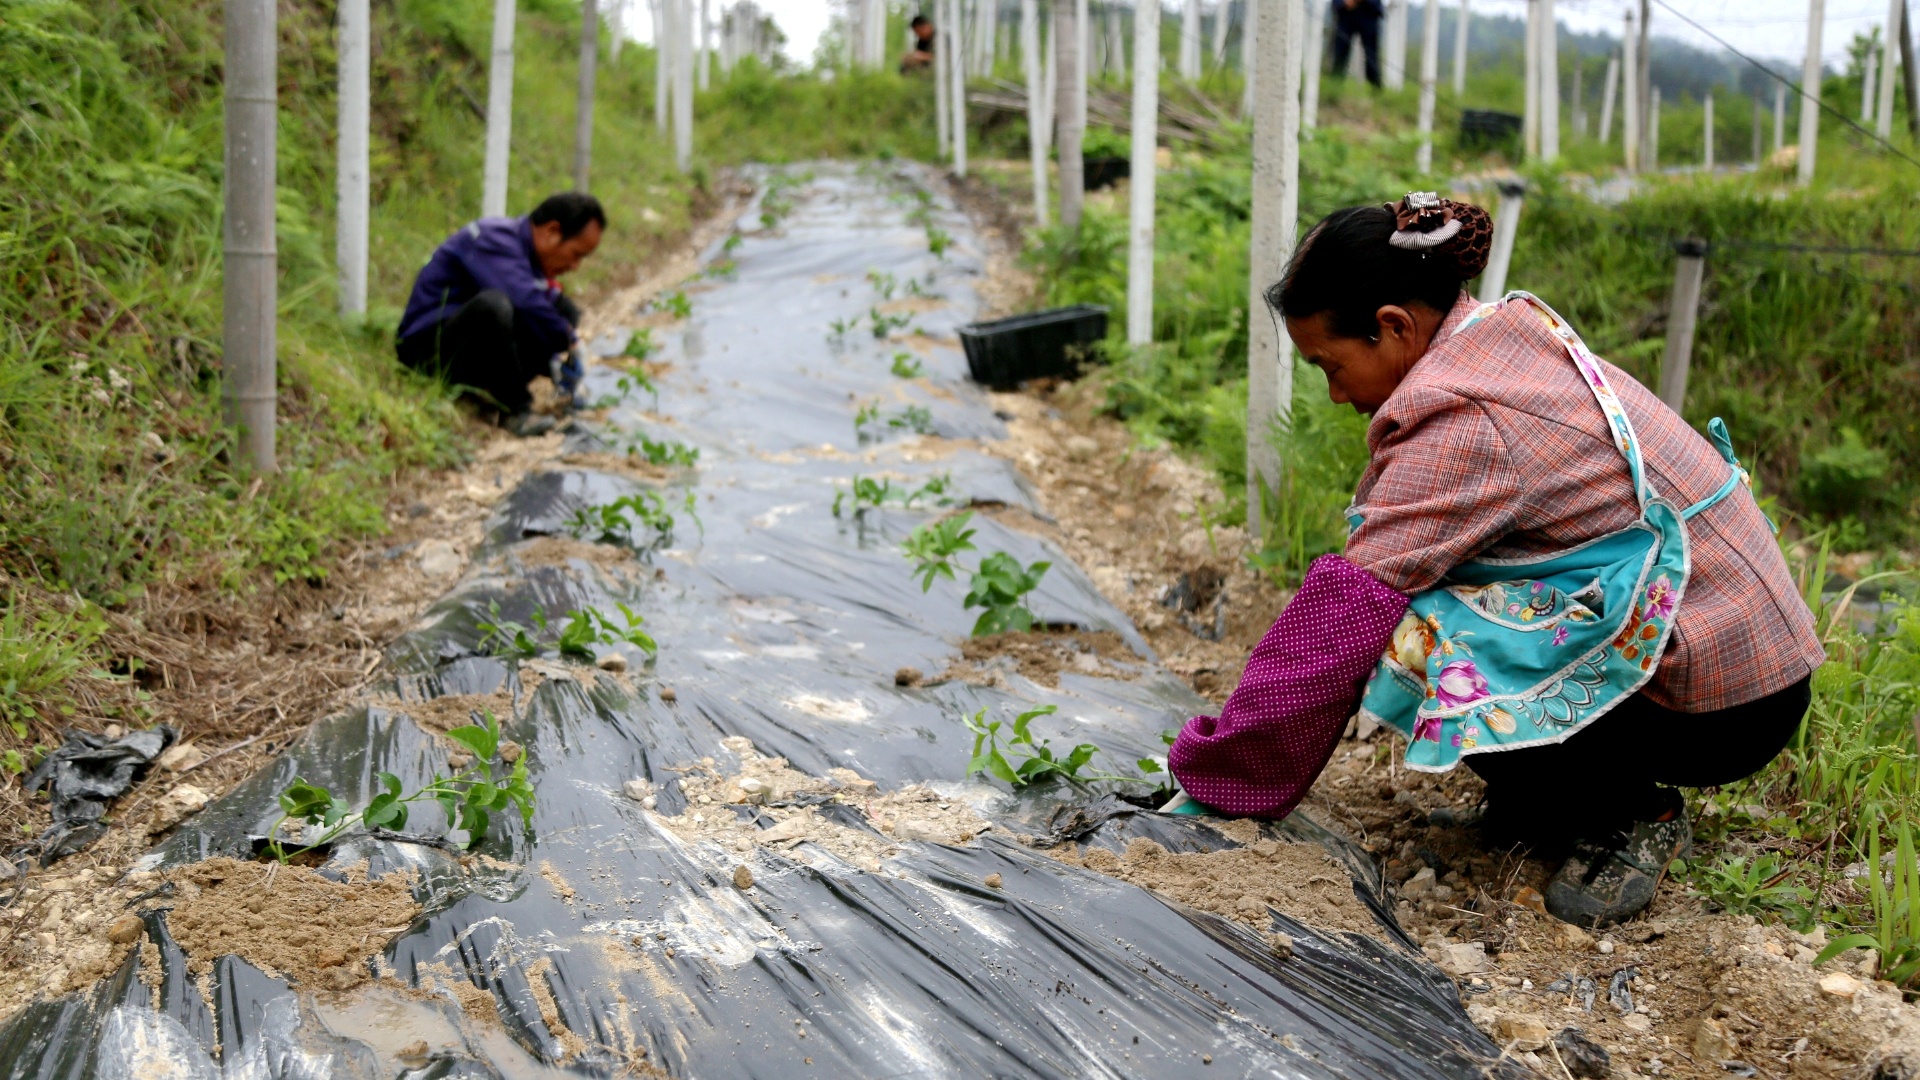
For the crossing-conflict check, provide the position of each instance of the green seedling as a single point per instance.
(504, 637)
(999, 587)
(1036, 760)
(733, 241)
(640, 345)
(678, 304)
(884, 324)
(871, 494)
(906, 365)
(624, 520)
(916, 417)
(883, 283)
(469, 797)
(663, 451)
(938, 241)
(837, 329)
(588, 628)
(914, 288)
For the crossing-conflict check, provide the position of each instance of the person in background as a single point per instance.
(1551, 577)
(1357, 18)
(487, 315)
(920, 57)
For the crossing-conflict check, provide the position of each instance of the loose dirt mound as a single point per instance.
(1041, 655)
(442, 714)
(1241, 883)
(287, 920)
(768, 788)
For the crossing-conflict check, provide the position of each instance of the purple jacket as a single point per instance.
(491, 253)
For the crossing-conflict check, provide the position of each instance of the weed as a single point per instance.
(1000, 585)
(1036, 760)
(938, 241)
(468, 798)
(1895, 900)
(886, 324)
(41, 652)
(906, 365)
(587, 628)
(1742, 885)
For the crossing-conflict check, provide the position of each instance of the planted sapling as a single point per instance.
(1036, 760)
(938, 241)
(870, 494)
(504, 637)
(616, 522)
(469, 797)
(906, 365)
(678, 304)
(588, 628)
(884, 324)
(1000, 586)
(663, 452)
(883, 283)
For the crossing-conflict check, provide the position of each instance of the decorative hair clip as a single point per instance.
(1423, 221)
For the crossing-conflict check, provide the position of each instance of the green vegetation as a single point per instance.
(867, 494)
(906, 365)
(663, 451)
(1000, 585)
(1036, 760)
(588, 628)
(468, 798)
(628, 519)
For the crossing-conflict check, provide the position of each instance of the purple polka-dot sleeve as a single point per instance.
(1304, 679)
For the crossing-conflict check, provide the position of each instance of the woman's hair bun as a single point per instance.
(1460, 232)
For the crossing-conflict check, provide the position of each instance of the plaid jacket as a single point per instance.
(1494, 446)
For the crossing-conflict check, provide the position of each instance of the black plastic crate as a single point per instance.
(1488, 127)
(1004, 353)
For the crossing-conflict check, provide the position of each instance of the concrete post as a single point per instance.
(682, 84)
(1189, 40)
(1759, 124)
(1549, 82)
(1276, 208)
(1313, 32)
(1810, 71)
(1530, 78)
(1146, 126)
(1506, 225)
(1779, 116)
(1072, 125)
(1037, 140)
(1429, 80)
(1393, 47)
(1630, 97)
(703, 57)
(493, 189)
(944, 44)
(583, 100)
(1706, 157)
(1909, 74)
(1883, 109)
(1221, 12)
(1249, 61)
(957, 92)
(350, 172)
(1578, 109)
(1609, 86)
(249, 340)
(1869, 70)
(1683, 308)
(662, 63)
(1460, 49)
(1650, 155)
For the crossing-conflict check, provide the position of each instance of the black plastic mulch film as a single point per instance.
(779, 622)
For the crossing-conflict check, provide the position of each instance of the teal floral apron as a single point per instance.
(1508, 653)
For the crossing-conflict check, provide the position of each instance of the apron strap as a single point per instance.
(1717, 434)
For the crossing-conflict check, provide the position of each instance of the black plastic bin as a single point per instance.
(1102, 172)
(1006, 352)
(1487, 127)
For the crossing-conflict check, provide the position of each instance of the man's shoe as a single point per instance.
(529, 424)
(1610, 881)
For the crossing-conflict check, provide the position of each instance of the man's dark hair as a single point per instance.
(919, 21)
(572, 209)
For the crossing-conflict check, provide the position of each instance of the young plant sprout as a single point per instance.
(883, 283)
(588, 628)
(1036, 760)
(837, 329)
(884, 324)
(999, 587)
(872, 494)
(938, 241)
(906, 365)
(678, 304)
(619, 521)
(504, 637)
(663, 452)
(469, 797)
(640, 345)
(867, 418)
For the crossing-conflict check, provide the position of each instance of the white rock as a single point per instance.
(1464, 959)
(437, 558)
(1840, 985)
(180, 757)
(1419, 885)
(612, 661)
(1636, 1022)
(187, 797)
(1081, 448)
(1605, 947)
(637, 790)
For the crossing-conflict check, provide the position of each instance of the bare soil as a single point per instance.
(1041, 656)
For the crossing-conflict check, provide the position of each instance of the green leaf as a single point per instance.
(1844, 944)
(476, 825)
(482, 742)
(382, 811)
(390, 782)
(305, 801)
(1148, 765)
(997, 765)
(481, 795)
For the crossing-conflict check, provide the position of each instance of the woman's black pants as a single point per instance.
(1622, 767)
(483, 349)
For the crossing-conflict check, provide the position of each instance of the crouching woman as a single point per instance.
(1550, 576)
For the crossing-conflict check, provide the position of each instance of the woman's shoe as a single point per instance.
(1611, 881)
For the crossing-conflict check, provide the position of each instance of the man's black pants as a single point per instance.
(485, 350)
(1368, 31)
(1617, 770)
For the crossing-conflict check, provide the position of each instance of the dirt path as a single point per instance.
(1699, 994)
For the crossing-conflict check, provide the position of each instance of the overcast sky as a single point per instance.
(1775, 29)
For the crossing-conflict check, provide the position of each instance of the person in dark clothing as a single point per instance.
(487, 314)
(1357, 18)
(920, 57)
